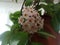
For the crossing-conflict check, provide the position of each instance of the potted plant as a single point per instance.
(31, 28)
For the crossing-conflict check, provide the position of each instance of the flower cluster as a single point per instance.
(30, 20)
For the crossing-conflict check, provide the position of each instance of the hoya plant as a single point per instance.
(28, 23)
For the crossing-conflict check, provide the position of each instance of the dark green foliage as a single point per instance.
(54, 11)
(28, 2)
(45, 34)
(55, 24)
(5, 37)
(42, 0)
(56, 18)
(16, 28)
(49, 8)
(21, 36)
(9, 37)
(49, 1)
(14, 16)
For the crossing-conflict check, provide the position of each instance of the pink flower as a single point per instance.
(30, 8)
(30, 20)
(26, 26)
(21, 20)
(27, 15)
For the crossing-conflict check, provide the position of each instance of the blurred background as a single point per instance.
(7, 7)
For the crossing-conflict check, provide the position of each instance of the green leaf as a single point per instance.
(47, 34)
(28, 2)
(5, 37)
(35, 43)
(54, 11)
(56, 23)
(49, 9)
(14, 16)
(16, 28)
(23, 42)
(56, 18)
(21, 36)
(11, 38)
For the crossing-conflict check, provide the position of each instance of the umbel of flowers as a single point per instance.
(30, 20)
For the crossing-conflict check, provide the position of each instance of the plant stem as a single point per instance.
(29, 39)
(22, 6)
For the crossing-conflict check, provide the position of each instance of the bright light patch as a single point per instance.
(0, 42)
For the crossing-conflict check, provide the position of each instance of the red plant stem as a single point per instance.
(49, 29)
(47, 25)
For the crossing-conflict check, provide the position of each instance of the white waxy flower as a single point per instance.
(30, 8)
(41, 23)
(33, 29)
(35, 12)
(21, 20)
(30, 20)
(26, 26)
(24, 8)
(25, 16)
